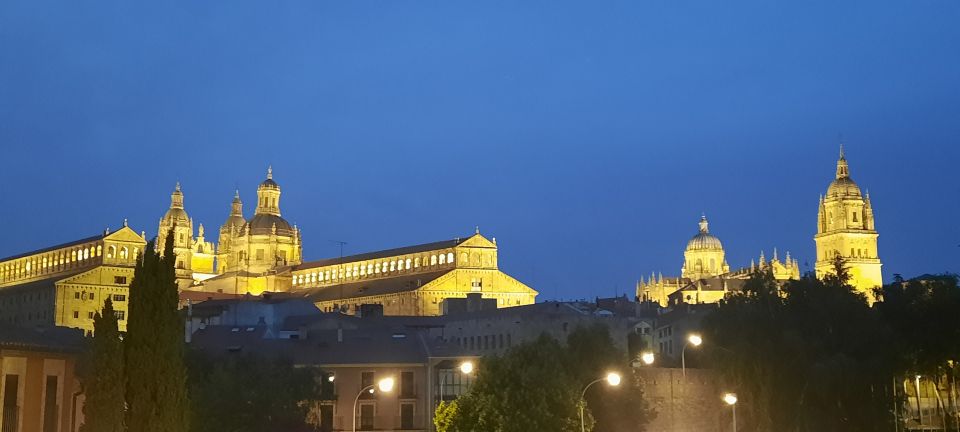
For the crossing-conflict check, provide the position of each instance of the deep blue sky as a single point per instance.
(587, 137)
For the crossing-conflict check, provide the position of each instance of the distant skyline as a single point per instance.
(587, 138)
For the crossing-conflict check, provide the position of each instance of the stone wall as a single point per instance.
(691, 404)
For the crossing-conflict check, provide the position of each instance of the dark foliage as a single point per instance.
(103, 380)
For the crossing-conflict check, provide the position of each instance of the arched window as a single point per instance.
(73, 255)
(124, 252)
(433, 260)
(408, 263)
(443, 259)
(416, 262)
(136, 253)
(86, 253)
(378, 268)
(699, 265)
(355, 271)
(369, 269)
(463, 258)
(855, 216)
(449, 257)
(99, 250)
(393, 265)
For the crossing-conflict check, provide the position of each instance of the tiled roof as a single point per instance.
(375, 345)
(48, 339)
(383, 253)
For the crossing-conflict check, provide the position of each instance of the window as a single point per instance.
(120, 280)
(476, 284)
(366, 416)
(366, 379)
(370, 269)
(443, 259)
(76, 295)
(259, 254)
(89, 315)
(76, 314)
(855, 216)
(406, 385)
(393, 265)
(124, 252)
(119, 298)
(121, 315)
(408, 263)
(416, 262)
(378, 268)
(449, 257)
(406, 416)
(433, 260)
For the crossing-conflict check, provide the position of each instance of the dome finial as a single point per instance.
(236, 193)
(843, 170)
(270, 172)
(177, 187)
(704, 225)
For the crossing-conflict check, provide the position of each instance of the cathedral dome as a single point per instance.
(704, 240)
(843, 187)
(176, 214)
(235, 220)
(269, 183)
(263, 223)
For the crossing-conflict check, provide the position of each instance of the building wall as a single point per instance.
(386, 406)
(33, 369)
(426, 300)
(691, 404)
(46, 288)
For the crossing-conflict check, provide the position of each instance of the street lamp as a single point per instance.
(648, 357)
(612, 379)
(731, 399)
(466, 368)
(692, 339)
(385, 385)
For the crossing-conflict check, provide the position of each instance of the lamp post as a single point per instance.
(466, 368)
(612, 379)
(731, 399)
(385, 385)
(692, 339)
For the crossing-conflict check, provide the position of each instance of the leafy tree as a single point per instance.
(923, 314)
(593, 354)
(156, 376)
(103, 409)
(250, 393)
(537, 386)
(527, 389)
(811, 357)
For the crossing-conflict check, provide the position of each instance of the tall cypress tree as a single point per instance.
(156, 375)
(103, 384)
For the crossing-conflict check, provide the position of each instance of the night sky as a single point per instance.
(587, 137)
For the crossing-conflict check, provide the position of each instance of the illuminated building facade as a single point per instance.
(264, 254)
(845, 227)
(706, 276)
(65, 285)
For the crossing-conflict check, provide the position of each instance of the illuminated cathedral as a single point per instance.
(845, 227)
(265, 254)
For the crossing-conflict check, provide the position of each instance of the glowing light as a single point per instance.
(466, 367)
(730, 398)
(331, 378)
(385, 385)
(647, 357)
(695, 339)
(613, 378)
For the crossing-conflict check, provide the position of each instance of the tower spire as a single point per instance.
(704, 225)
(270, 172)
(843, 170)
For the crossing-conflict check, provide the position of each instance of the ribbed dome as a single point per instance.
(233, 221)
(843, 187)
(176, 215)
(263, 224)
(704, 240)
